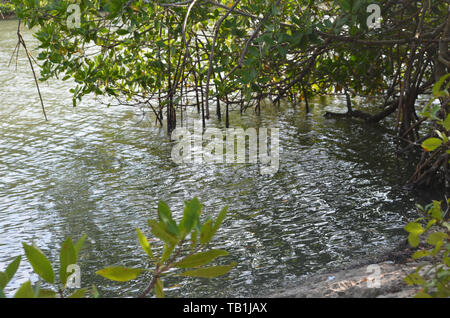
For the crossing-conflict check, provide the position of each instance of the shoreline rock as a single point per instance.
(355, 280)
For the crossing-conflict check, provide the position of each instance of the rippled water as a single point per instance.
(337, 195)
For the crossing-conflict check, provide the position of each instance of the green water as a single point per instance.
(337, 196)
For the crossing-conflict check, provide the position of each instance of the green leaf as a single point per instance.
(158, 229)
(122, 32)
(79, 245)
(413, 240)
(446, 123)
(414, 279)
(431, 144)
(12, 268)
(435, 211)
(436, 237)
(95, 293)
(422, 294)
(206, 232)
(2, 294)
(67, 256)
(414, 228)
(8, 274)
(79, 293)
(25, 291)
(3, 279)
(165, 216)
(120, 273)
(219, 220)
(209, 272)
(192, 210)
(200, 259)
(159, 288)
(41, 265)
(144, 243)
(437, 87)
(46, 293)
(167, 251)
(420, 254)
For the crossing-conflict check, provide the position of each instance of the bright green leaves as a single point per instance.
(209, 230)
(10, 271)
(431, 144)
(67, 256)
(206, 232)
(200, 259)
(177, 252)
(437, 92)
(79, 244)
(446, 123)
(159, 230)
(41, 265)
(7, 275)
(192, 211)
(120, 273)
(165, 216)
(415, 230)
(144, 243)
(79, 293)
(209, 272)
(220, 219)
(25, 291)
(435, 285)
(159, 288)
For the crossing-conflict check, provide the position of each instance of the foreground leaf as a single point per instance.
(79, 245)
(41, 265)
(200, 259)
(67, 256)
(46, 293)
(166, 217)
(192, 210)
(159, 231)
(3, 279)
(159, 288)
(220, 219)
(79, 293)
(414, 228)
(413, 240)
(144, 243)
(431, 144)
(120, 273)
(12, 268)
(25, 291)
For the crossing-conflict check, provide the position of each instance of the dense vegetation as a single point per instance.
(168, 55)
(6, 9)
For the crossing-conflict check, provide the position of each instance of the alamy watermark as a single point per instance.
(74, 18)
(228, 146)
(373, 20)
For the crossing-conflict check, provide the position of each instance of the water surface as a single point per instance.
(337, 195)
